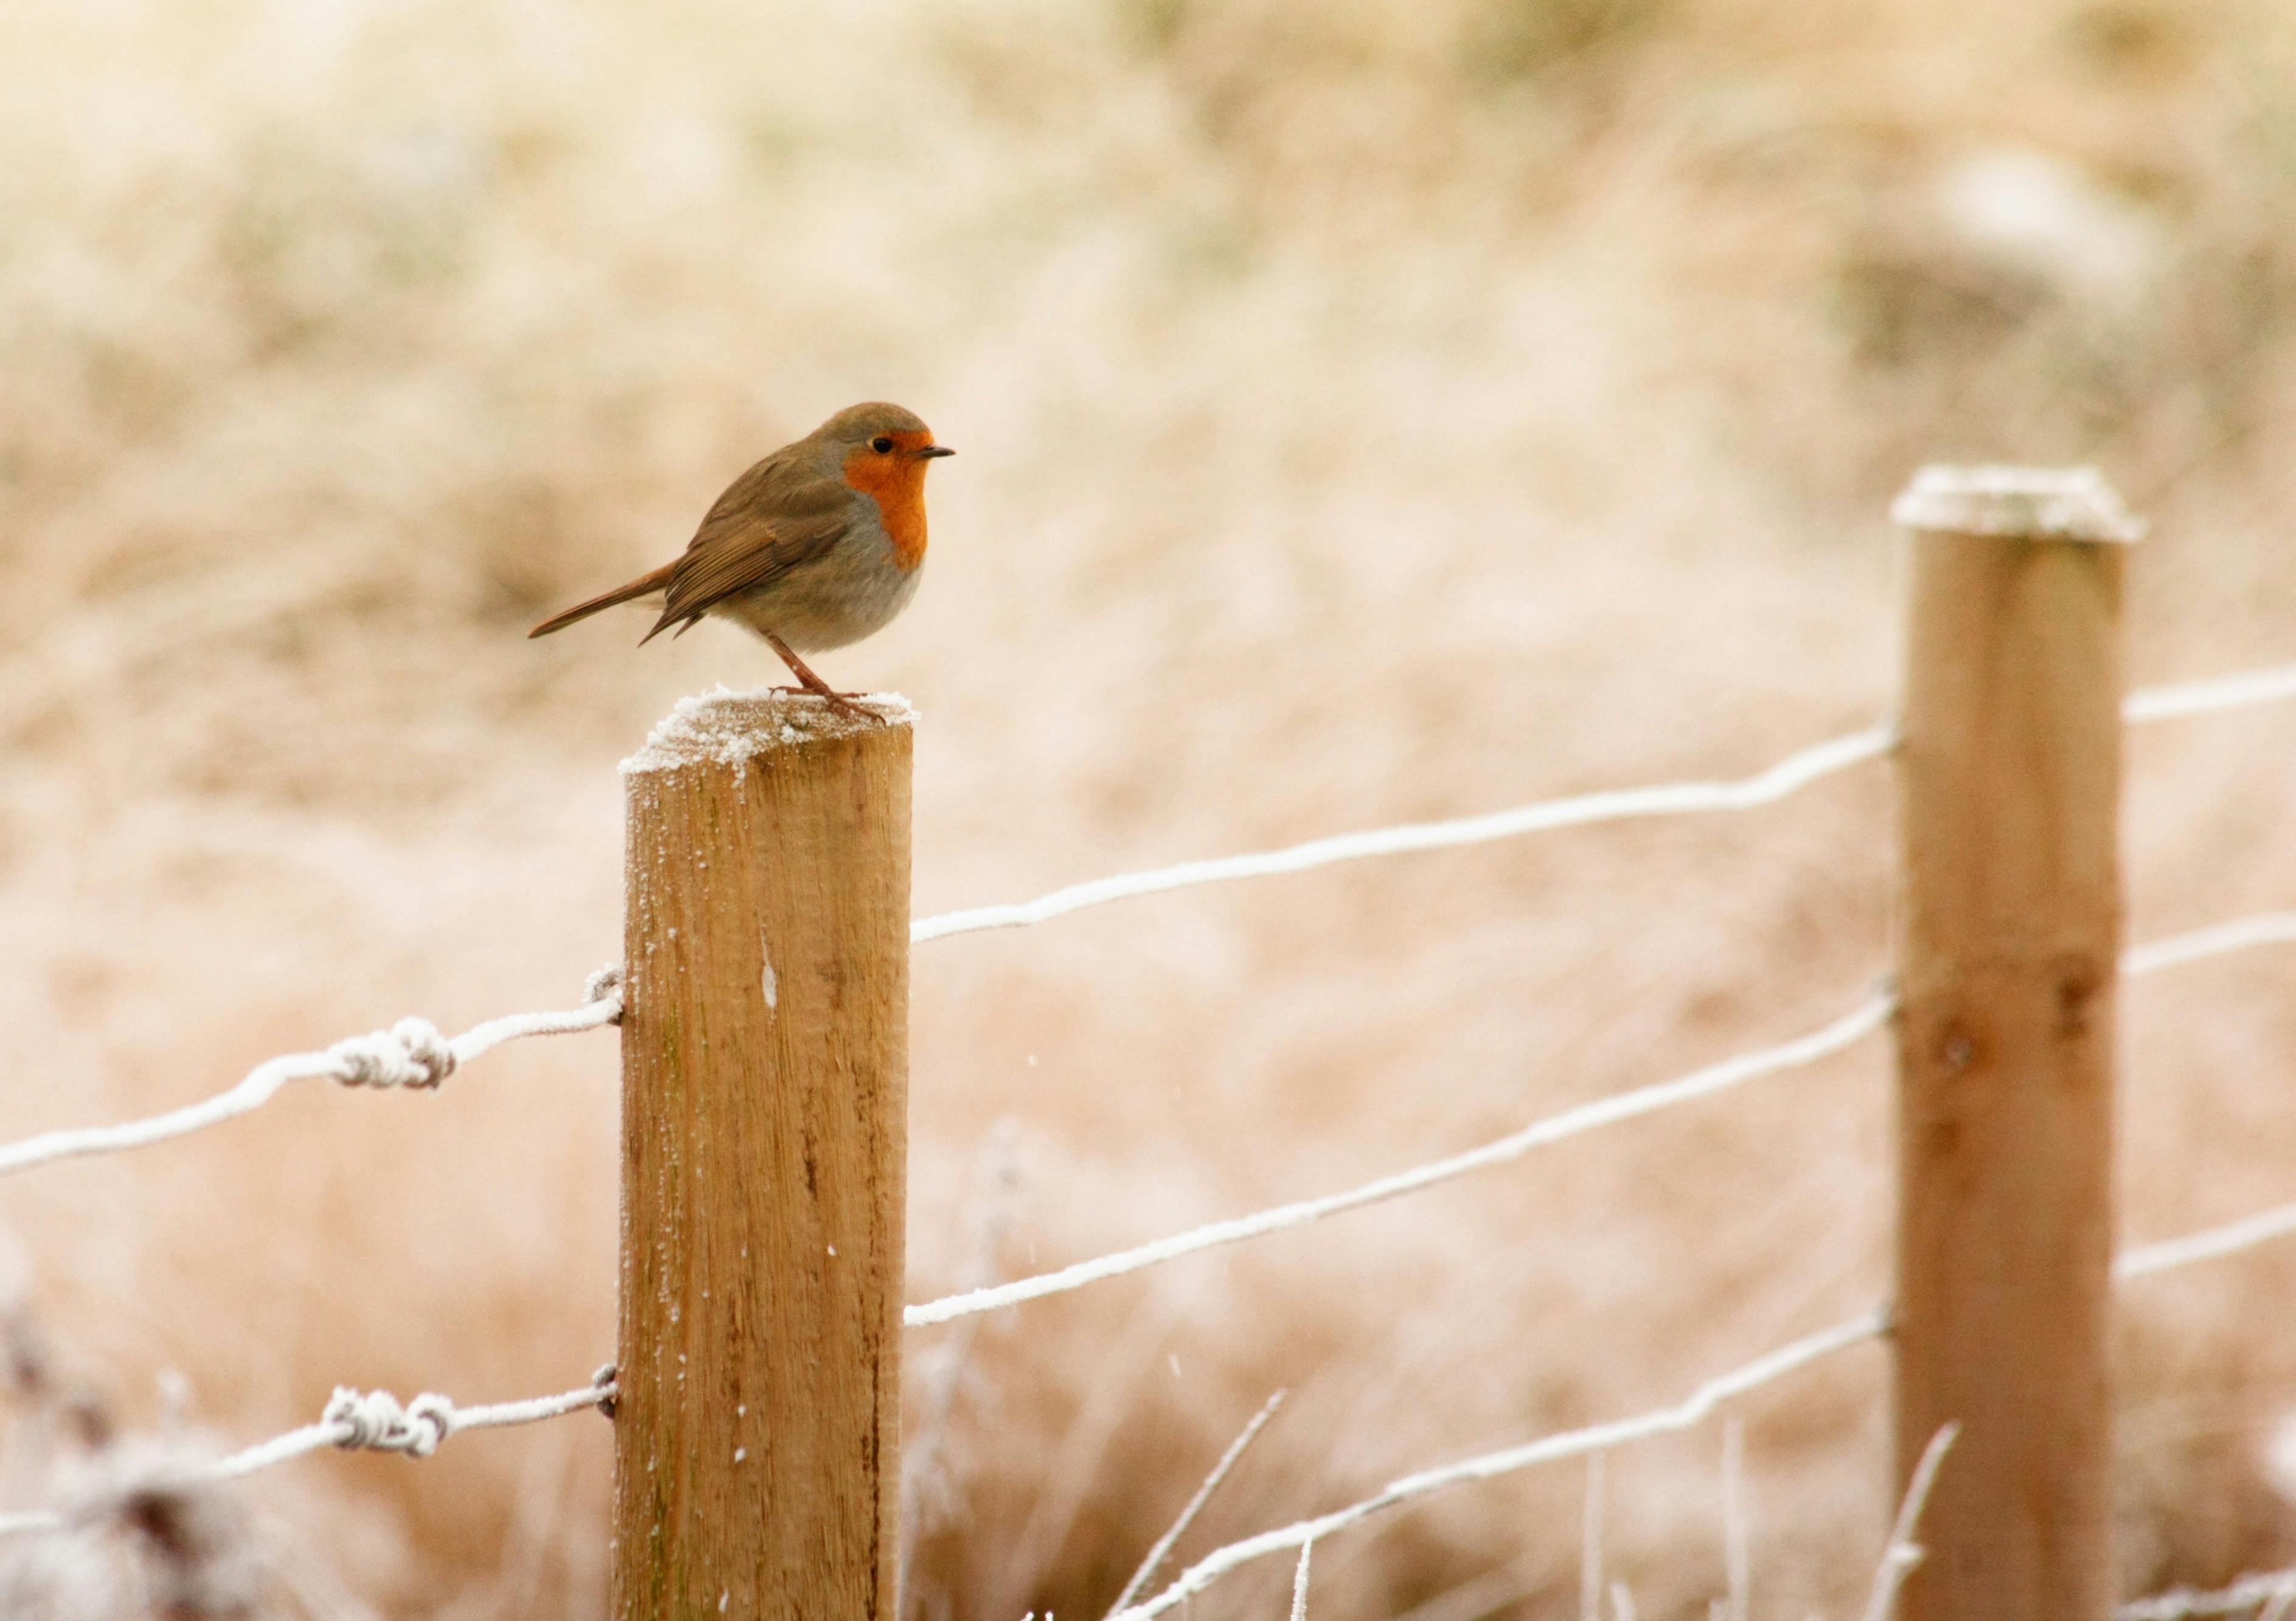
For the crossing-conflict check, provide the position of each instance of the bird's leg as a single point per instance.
(815, 684)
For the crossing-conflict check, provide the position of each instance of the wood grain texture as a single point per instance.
(2009, 936)
(764, 1159)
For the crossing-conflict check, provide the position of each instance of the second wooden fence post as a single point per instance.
(765, 1075)
(2009, 937)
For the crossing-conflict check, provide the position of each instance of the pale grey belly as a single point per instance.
(853, 591)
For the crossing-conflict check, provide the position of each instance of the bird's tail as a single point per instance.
(640, 586)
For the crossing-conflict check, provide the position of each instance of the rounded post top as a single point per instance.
(728, 727)
(2038, 502)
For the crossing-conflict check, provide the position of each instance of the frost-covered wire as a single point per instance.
(1790, 1358)
(410, 1053)
(1795, 772)
(1860, 1021)
(1789, 776)
(2230, 1239)
(376, 1420)
(2264, 930)
(2238, 691)
(2250, 1593)
(352, 1420)
(414, 1053)
(1685, 1414)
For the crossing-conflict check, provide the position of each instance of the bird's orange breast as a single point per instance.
(897, 483)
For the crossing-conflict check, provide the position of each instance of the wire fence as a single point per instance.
(415, 1054)
(1789, 776)
(353, 1421)
(1851, 1028)
(1767, 1370)
(2272, 1596)
(375, 1420)
(412, 1053)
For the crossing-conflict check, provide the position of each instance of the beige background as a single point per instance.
(1365, 412)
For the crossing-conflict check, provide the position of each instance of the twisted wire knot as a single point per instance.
(373, 1421)
(607, 982)
(412, 1052)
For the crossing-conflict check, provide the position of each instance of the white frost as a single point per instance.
(729, 727)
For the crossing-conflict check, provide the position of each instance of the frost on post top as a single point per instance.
(728, 726)
(2046, 502)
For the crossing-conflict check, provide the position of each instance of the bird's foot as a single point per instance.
(842, 702)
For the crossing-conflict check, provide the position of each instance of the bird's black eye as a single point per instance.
(882, 445)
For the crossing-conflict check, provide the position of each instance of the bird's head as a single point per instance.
(880, 446)
(883, 450)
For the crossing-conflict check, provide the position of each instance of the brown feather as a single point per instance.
(643, 585)
(775, 517)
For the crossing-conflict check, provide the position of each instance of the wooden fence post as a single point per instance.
(765, 1091)
(2009, 935)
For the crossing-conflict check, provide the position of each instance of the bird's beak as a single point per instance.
(930, 451)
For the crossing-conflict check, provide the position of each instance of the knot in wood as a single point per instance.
(1956, 1049)
(2078, 978)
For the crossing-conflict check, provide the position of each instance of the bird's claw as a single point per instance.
(842, 702)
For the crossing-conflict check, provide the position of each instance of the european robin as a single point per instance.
(817, 546)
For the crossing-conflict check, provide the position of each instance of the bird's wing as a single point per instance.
(775, 517)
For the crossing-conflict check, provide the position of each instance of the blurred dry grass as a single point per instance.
(1366, 411)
